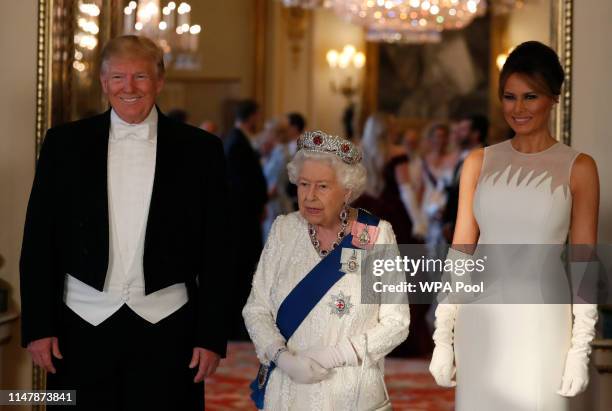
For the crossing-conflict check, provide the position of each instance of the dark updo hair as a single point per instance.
(539, 63)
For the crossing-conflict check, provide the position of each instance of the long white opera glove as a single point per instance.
(442, 365)
(576, 374)
(419, 221)
(301, 369)
(340, 355)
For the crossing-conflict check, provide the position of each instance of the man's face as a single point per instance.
(440, 137)
(131, 86)
(292, 131)
(463, 132)
(251, 123)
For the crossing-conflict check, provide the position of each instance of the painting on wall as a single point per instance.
(437, 80)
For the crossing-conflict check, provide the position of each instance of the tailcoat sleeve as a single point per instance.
(212, 291)
(40, 282)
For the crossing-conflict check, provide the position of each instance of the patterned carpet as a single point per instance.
(410, 386)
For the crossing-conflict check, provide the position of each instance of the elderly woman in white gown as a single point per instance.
(319, 346)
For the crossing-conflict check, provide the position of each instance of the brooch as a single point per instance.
(352, 264)
(364, 236)
(350, 260)
(340, 304)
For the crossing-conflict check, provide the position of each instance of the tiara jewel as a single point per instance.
(321, 142)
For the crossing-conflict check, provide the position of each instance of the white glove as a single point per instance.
(575, 377)
(576, 374)
(341, 355)
(273, 349)
(419, 221)
(442, 365)
(301, 369)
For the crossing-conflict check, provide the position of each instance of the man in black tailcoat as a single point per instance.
(125, 246)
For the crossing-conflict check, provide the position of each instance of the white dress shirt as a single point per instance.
(131, 168)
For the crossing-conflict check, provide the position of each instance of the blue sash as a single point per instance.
(303, 298)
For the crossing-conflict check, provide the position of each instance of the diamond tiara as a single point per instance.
(321, 142)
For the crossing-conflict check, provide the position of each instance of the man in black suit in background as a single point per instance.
(296, 126)
(124, 247)
(248, 197)
(472, 134)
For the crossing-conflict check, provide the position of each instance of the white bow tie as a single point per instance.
(123, 130)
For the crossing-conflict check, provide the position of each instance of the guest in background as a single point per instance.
(471, 134)
(412, 141)
(473, 131)
(210, 126)
(413, 146)
(455, 134)
(275, 171)
(438, 167)
(178, 114)
(297, 125)
(266, 140)
(387, 165)
(388, 185)
(248, 196)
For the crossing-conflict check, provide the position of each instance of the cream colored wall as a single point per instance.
(330, 32)
(530, 23)
(227, 39)
(288, 75)
(17, 115)
(591, 88)
(305, 87)
(591, 130)
(226, 51)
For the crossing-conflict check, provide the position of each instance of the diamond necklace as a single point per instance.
(312, 232)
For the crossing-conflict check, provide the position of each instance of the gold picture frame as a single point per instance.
(562, 40)
(58, 94)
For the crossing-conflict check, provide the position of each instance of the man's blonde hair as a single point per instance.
(133, 47)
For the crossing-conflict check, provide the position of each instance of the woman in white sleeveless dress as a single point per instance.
(528, 190)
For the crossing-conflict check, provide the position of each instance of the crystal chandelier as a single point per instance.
(409, 20)
(169, 27)
(86, 34)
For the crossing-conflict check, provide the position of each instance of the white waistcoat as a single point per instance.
(131, 169)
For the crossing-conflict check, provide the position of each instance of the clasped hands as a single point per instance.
(315, 364)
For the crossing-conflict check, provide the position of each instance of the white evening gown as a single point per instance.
(287, 257)
(510, 357)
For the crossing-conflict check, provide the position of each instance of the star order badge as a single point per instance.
(340, 304)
